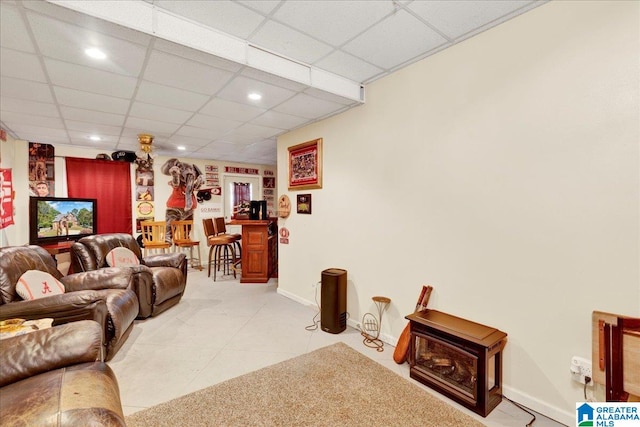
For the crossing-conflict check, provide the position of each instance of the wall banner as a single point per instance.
(6, 198)
(41, 169)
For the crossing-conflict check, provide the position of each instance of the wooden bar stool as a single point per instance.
(221, 230)
(181, 234)
(154, 237)
(220, 249)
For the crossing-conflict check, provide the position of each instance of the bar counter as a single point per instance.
(259, 250)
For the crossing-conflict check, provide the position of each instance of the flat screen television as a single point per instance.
(60, 219)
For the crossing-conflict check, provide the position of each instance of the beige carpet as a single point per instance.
(332, 386)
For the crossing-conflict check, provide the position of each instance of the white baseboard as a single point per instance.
(553, 412)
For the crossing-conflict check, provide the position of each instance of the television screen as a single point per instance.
(57, 219)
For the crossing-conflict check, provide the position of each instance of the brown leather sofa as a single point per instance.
(160, 279)
(56, 377)
(105, 296)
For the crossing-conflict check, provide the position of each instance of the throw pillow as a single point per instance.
(34, 284)
(122, 257)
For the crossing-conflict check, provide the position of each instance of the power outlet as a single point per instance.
(581, 368)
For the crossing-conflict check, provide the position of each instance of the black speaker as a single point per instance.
(333, 300)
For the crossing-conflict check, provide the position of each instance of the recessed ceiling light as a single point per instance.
(255, 96)
(95, 138)
(181, 147)
(95, 53)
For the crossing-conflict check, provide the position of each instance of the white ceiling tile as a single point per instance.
(94, 24)
(397, 39)
(29, 107)
(170, 97)
(348, 18)
(188, 141)
(257, 131)
(264, 7)
(217, 124)
(137, 123)
(25, 89)
(457, 17)
(13, 31)
(196, 55)
(224, 15)
(99, 117)
(289, 43)
(196, 132)
(21, 65)
(348, 66)
(175, 71)
(240, 87)
(304, 105)
(317, 93)
(156, 112)
(130, 136)
(280, 120)
(36, 133)
(92, 101)
(92, 128)
(82, 138)
(28, 118)
(231, 110)
(67, 42)
(262, 76)
(89, 79)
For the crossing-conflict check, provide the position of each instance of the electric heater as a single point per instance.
(333, 300)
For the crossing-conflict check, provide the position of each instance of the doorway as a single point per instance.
(246, 186)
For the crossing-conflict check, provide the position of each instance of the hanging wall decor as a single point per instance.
(304, 203)
(41, 169)
(6, 198)
(305, 165)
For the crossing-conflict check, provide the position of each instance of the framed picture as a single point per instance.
(304, 203)
(305, 165)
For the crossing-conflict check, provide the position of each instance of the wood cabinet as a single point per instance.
(259, 251)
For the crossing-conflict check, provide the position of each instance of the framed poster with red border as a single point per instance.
(305, 165)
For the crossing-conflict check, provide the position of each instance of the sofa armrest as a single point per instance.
(104, 278)
(64, 308)
(173, 259)
(40, 351)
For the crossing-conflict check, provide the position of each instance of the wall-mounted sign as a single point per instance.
(246, 171)
(284, 235)
(284, 206)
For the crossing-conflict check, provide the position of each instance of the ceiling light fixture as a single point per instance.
(95, 53)
(146, 150)
(255, 96)
(181, 147)
(95, 138)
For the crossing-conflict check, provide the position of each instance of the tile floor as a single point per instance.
(224, 329)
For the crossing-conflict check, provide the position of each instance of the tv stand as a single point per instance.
(57, 248)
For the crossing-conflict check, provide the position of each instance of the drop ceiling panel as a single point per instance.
(216, 124)
(348, 66)
(456, 18)
(21, 65)
(304, 105)
(155, 112)
(231, 110)
(290, 43)
(226, 16)
(66, 42)
(170, 97)
(348, 19)
(17, 105)
(138, 123)
(27, 118)
(240, 87)
(171, 70)
(92, 128)
(280, 120)
(89, 79)
(397, 39)
(13, 30)
(99, 117)
(196, 132)
(91, 101)
(196, 55)
(25, 89)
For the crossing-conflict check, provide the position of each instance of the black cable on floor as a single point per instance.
(315, 320)
(533, 420)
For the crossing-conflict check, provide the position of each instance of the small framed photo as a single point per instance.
(304, 203)
(305, 165)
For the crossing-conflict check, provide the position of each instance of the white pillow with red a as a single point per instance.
(35, 284)
(122, 257)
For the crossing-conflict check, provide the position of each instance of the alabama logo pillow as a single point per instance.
(35, 284)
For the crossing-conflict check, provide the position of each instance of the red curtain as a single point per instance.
(107, 182)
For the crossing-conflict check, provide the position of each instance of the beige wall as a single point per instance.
(504, 172)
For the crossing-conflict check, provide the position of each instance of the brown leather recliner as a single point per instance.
(160, 279)
(56, 377)
(105, 296)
